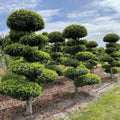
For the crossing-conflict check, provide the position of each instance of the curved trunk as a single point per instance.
(29, 110)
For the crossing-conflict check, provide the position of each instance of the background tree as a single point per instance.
(28, 71)
(74, 32)
(113, 54)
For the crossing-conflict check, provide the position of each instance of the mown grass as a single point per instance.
(107, 108)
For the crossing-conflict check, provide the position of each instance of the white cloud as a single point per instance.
(11, 5)
(86, 13)
(109, 5)
(48, 14)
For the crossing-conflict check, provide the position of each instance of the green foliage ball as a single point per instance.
(20, 89)
(68, 61)
(30, 70)
(33, 39)
(15, 35)
(24, 20)
(112, 37)
(87, 79)
(47, 76)
(84, 56)
(74, 31)
(91, 44)
(56, 36)
(12, 76)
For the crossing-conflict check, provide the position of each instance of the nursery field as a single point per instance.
(51, 76)
(58, 99)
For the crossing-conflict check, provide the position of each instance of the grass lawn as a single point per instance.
(107, 108)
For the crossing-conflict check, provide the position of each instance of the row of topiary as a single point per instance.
(37, 61)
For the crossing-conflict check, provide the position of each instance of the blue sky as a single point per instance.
(100, 17)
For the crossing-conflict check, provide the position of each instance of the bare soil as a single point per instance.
(58, 99)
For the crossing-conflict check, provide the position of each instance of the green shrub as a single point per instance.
(91, 44)
(115, 54)
(20, 89)
(74, 31)
(33, 39)
(56, 68)
(18, 50)
(114, 45)
(69, 72)
(15, 35)
(74, 73)
(68, 61)
(24, 20)
(110, 50)
(30, 70)
(56, 36)
(74, 49)
(87, 79)
(56, 55)
(107, 69)
(112, 37)
(84, 56)
(12, 76)
(107, 58)
(47, 76)
(38, 56)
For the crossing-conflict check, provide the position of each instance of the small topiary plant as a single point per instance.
(80, 76)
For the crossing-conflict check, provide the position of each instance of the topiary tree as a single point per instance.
(113, 54)
(27, 74)
(74, 33)
(80, 76)
(25, 21)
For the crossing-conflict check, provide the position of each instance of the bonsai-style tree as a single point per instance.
(113, 54)
(26, 74)
(81, 77)
(88, 59)
(74, 33)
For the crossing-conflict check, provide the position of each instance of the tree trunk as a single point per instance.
(111, 73)
(29, 110)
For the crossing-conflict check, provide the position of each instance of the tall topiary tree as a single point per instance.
(113, 54)
(26, 75)
(74, 32)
